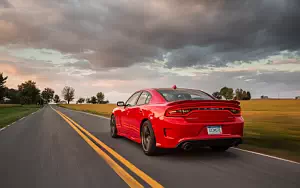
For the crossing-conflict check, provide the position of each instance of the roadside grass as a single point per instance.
(11, 113)
(271, 126)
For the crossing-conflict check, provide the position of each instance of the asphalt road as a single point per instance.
(43, 150)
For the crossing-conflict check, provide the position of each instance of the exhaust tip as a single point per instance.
(187, 146)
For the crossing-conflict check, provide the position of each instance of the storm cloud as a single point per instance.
(122, 33)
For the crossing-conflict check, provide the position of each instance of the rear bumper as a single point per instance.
(172, 133)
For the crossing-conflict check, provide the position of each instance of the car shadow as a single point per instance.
(179, 154)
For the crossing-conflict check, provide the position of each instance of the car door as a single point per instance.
(129, 106)
(136, 115)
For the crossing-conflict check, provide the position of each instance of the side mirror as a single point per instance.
(120, 103)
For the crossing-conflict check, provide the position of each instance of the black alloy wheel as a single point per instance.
(148, 139)
(113, 127)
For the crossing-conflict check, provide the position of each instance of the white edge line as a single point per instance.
(86, 113)
(19, 120)
(7, 126)
(265, 155)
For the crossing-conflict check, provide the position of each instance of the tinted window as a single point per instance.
(132, 100)
(144, 98)
(184, 94)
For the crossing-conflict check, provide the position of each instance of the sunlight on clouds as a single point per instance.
(9, 69)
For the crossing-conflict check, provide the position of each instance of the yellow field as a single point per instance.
(271, 126)
(271, 105)
(101, 109)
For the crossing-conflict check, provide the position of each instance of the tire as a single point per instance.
(220, 148)
(113, 127)
(148, 139)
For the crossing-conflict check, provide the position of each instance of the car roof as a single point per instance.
(172, 89)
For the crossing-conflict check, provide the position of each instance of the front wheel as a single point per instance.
(148, 139)
(220, 148)
(113, 127)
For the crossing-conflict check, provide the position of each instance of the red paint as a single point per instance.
(170, 130)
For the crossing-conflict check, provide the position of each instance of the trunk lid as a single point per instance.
(203, 111)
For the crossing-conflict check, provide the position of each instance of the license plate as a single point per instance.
(212, 130)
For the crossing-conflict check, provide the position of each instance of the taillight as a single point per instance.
(180, 112)
(177, 112)
(235, 111)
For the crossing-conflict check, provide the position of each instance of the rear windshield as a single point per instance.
(183, 94)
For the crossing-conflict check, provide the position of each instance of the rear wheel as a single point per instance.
(220, 148)
(148, 139)
(113, 127)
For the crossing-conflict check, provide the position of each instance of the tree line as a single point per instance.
(98, 99)
(230, 94)
(29, 93)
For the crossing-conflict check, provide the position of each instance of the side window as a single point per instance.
(132, 100)
(144, 98)
(148, 99)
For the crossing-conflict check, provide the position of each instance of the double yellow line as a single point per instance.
(131, 181)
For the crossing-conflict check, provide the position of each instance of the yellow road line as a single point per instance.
(129, 165)
(117, 168)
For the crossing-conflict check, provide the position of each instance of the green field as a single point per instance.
(11, 113)
(271, 126)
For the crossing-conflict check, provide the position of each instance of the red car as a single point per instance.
(178, 118)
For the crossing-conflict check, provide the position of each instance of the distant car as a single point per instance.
(178, 118)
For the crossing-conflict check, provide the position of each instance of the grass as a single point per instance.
(271, 126)
(11, 113)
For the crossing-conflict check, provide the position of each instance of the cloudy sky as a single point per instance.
(120, 46)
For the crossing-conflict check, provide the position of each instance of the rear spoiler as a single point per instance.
(232, 102)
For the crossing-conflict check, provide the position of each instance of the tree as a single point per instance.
(29, 93)
(13, 95)
(238, 94)
(80, 100)
(68, 93)
(227, 92)
(93, 100)
(248, 95)
(244, 95)
(40, 100)
(217, 95)
(241, 94)
(105, 102)
(56, 99)
(88, 100)
(47, 94)
(100, 97)
(2, 86)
